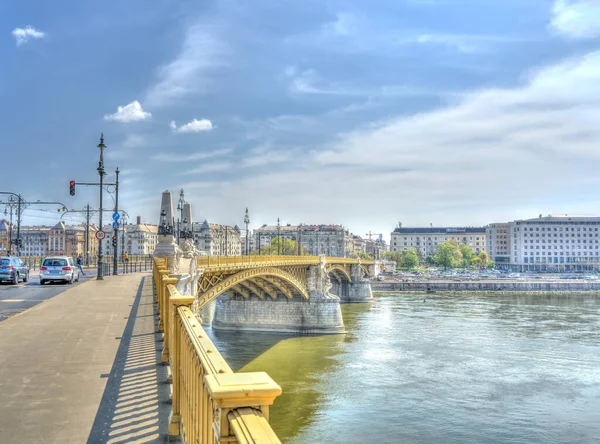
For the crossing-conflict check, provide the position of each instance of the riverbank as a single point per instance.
(495, 286)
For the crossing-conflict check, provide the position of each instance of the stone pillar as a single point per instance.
(167, 248)
(359, 289)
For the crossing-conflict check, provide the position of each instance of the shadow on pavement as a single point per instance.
(133, 407)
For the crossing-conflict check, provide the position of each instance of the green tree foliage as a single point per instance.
(448, 254)
(409, 259)
(281, 245)
(361, 255)
(467, 255)
(485, 259)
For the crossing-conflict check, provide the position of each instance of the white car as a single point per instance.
(58, 268)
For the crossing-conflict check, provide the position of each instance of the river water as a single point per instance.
(449, 369)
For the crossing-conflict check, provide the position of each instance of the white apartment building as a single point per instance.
(217, 239)
(555, 243)
(498, 244)
(425, 240)
(136, 239)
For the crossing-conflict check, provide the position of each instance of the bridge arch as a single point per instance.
(339, 271)
(277, 276)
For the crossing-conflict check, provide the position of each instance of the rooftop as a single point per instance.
(439, 230)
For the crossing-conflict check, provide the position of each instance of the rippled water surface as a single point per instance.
(450, 369)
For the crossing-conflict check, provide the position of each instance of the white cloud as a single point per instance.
(129, 113)
(466, 43)
(22, 35)
(189, 73)
(175, 157)
(343, 25)
(195, 126)
(576, 18)
(210, 168)
(497, 154)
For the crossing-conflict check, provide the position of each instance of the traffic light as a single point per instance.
(114, 241)
(72, 188)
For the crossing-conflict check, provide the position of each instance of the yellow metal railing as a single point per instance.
(216, 261)
(210, 403)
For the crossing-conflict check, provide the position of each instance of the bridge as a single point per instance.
(209, 401)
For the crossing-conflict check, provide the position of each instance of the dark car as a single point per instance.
(13, 269)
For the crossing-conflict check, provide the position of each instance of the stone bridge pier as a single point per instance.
(349, 283)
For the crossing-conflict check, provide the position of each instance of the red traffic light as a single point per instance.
(72, 183)
(72, 188)
(114, 238)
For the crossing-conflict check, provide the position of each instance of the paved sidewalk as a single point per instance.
(82, 367)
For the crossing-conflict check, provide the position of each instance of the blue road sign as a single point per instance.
(116, 216)
(115, 225)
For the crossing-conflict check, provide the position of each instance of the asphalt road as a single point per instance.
(15, 299)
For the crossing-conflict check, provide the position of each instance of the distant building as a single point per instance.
(498, 245)
(425, 240)
(5, 234)
(217, 239)
(555, 243)
(330, 240)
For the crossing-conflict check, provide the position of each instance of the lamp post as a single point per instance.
(116, 228)
(299, 240)
(278, 237)
(101, 173)
(123, 240)
(247, 221)
(180, 205)
(11, 199)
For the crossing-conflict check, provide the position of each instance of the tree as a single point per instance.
(476, 261)
(409, 259)
(467, 254)
(281, 245)
(448, 255)
(361, 255)
(485, 259)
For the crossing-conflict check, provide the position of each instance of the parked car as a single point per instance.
(13, 269)
(58, 268)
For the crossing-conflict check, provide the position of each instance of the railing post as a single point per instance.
(230, 391)
(177, 333)
(166, 316)
(160, 291)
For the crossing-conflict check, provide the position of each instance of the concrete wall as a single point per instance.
(486, 286)
(282, 315)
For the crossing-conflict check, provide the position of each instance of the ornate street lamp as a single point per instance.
(278, 237)
(164, 229)
(247, 221)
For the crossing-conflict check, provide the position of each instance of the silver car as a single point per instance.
(58, 268)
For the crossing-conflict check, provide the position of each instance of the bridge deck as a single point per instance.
(81, 367)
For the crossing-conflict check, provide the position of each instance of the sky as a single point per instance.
(366, 114)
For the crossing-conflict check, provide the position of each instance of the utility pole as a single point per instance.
(116, 228)
(87, 235)
(18, 241)
(124, 232)
(100, 275)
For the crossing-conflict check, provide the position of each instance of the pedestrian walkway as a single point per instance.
(82, 367)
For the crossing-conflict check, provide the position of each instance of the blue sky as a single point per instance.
(451, 112)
